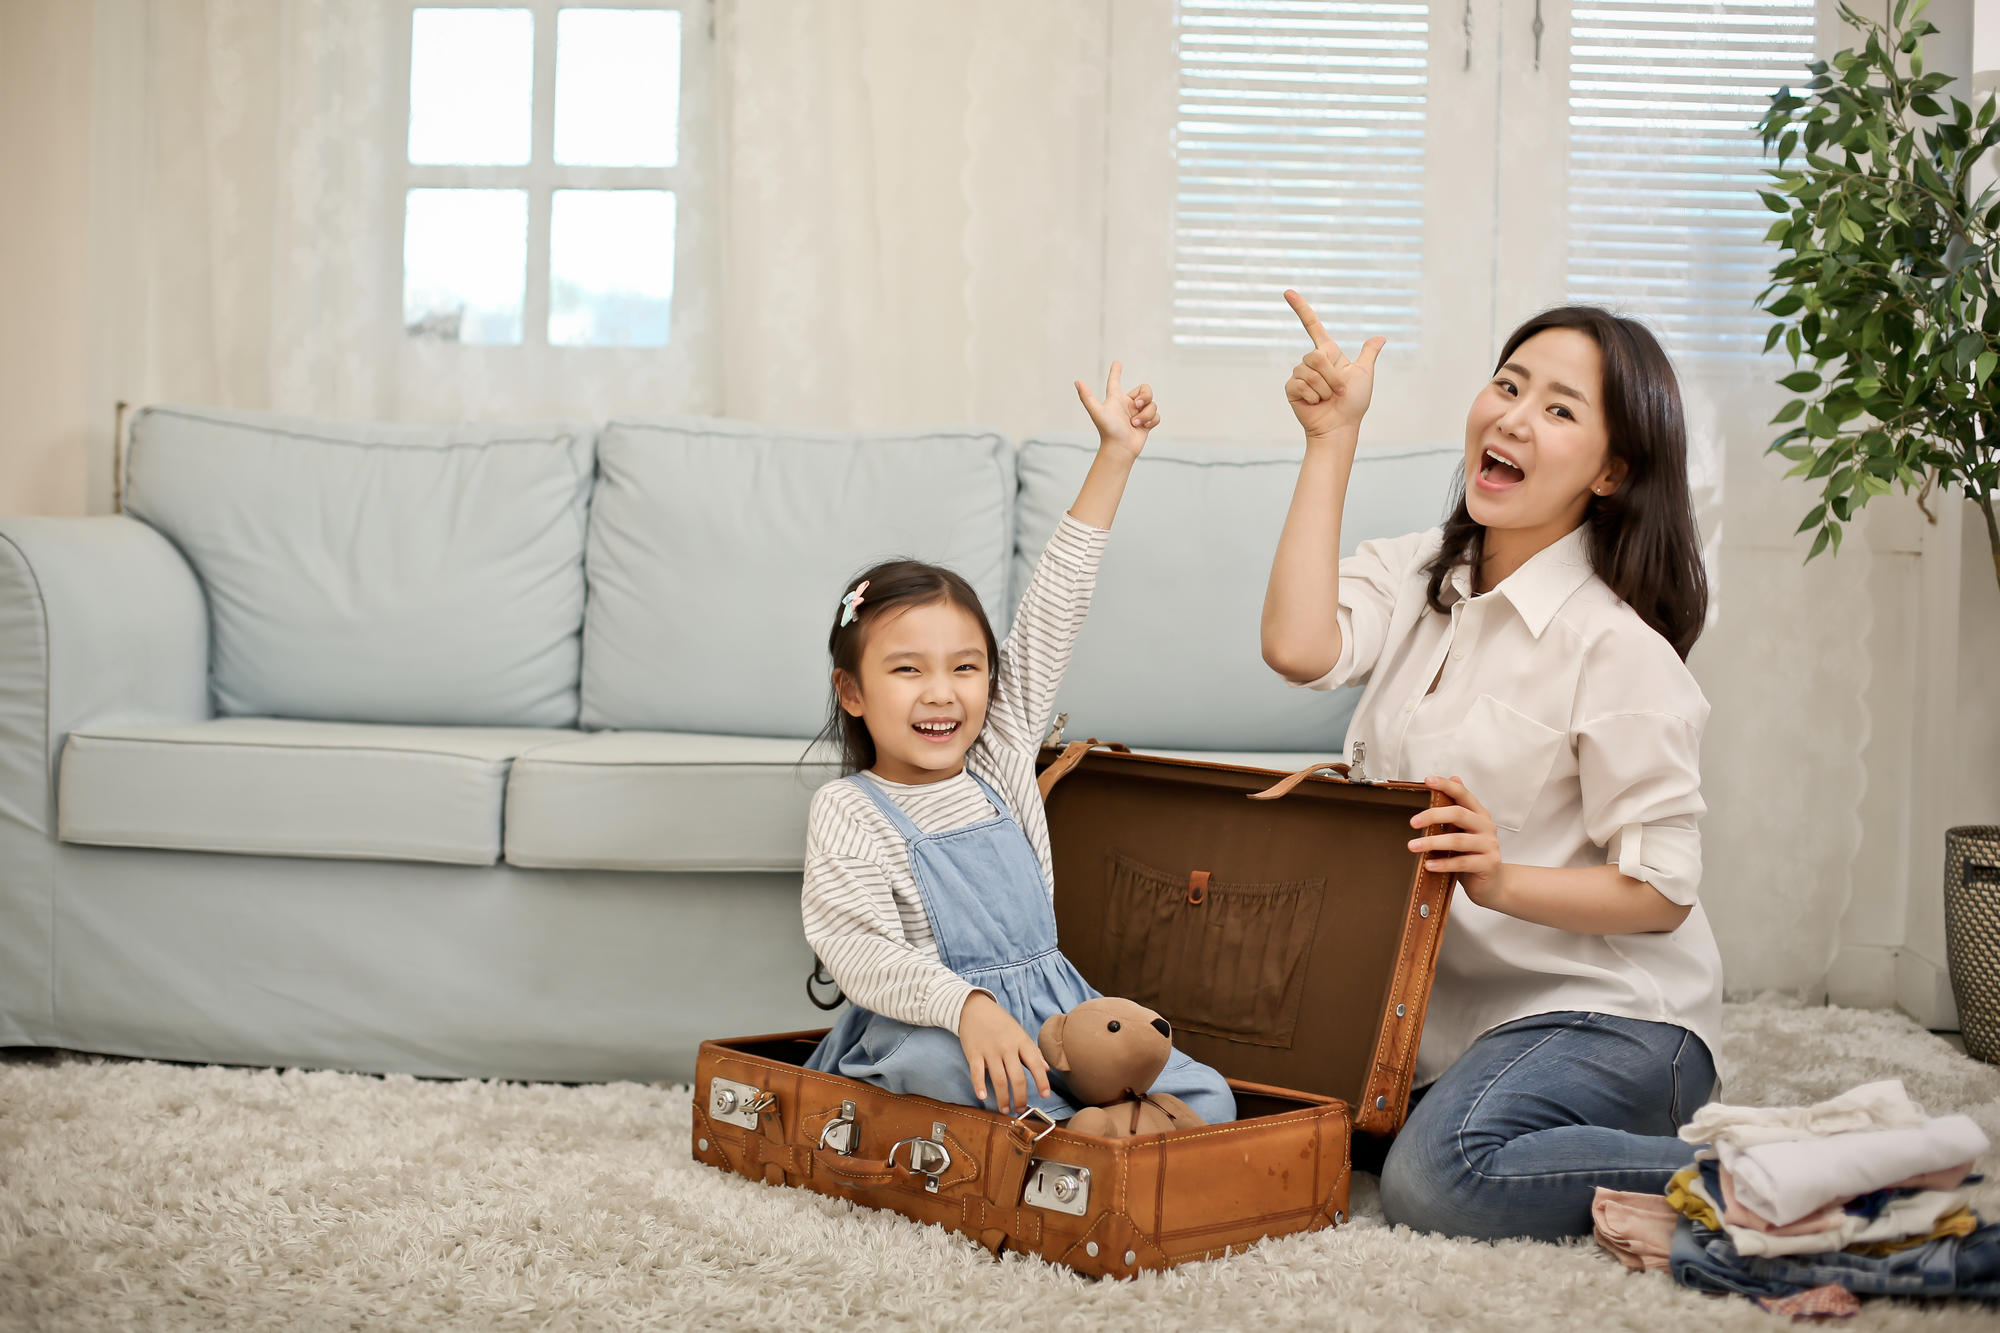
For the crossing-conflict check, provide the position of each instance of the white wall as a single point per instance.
(45, 126)
(1933, 754)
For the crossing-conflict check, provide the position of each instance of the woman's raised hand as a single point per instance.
(1327, 391)
(1123, 420)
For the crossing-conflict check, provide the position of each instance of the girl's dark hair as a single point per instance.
(1641, 537)
(892, 585)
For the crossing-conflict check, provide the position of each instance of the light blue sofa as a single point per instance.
(482, 750)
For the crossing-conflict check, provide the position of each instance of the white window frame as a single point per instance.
(681, 371)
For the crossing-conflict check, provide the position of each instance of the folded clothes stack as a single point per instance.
(1804, 1209)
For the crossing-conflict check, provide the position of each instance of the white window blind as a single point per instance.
(1299, 149)
(1664, 163)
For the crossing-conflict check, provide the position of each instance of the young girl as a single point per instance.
(928, 888)
(1527, 660)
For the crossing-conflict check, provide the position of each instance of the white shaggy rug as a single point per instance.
(139, 1195)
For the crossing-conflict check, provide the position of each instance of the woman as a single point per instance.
(1528, 660)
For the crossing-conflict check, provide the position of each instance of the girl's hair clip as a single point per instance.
(852, 603)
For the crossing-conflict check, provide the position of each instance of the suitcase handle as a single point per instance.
(1071, 756)
(1283, 787)
(933, 1163)
(866, 1173)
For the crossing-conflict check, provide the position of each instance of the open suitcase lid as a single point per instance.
(1290, 940)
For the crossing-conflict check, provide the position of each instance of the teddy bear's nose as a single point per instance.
(1160, 1026)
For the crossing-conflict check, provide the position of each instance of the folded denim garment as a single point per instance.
(1707, 1260)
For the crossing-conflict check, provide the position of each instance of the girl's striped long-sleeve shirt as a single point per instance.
(863, 915)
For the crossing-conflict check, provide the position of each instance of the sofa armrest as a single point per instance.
(101, 620)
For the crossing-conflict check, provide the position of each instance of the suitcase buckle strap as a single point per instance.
(1025, 1124)
(841, 1132)
(929, 1157)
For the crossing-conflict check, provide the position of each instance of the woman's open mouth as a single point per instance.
(937, 730)
(1497, 472)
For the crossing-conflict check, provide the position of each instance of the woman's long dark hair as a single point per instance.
(1641, 537)
(892, 585)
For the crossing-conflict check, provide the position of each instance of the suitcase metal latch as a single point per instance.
(929, 1157)
(1357, 766)
(1058, 1187)
(738, 1104)
(841, 1134)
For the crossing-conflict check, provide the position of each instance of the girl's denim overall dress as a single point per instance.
(990, 913)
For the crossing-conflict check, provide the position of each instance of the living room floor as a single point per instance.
(139, 1194)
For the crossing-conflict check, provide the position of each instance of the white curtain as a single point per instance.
(267, 219)
(259, 203)
(913, 208)
(1785, 664)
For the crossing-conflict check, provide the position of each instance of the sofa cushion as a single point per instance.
(718, 552)
(653, 800)
(273, 786)
(377, 573)
(1170, 655)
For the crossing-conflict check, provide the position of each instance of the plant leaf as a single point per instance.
(1801, 381)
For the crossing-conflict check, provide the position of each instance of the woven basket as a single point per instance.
(1972, 934)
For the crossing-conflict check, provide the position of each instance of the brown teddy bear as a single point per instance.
(1109, 1051)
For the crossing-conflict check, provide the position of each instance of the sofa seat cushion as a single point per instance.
(660, 800)
(282, 787)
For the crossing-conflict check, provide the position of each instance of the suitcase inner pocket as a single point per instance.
(1214, 956)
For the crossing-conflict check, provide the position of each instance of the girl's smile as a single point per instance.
(921, 688)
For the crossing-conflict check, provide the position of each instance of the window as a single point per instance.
(546, 174)
(1664, 163)
(1299, 140)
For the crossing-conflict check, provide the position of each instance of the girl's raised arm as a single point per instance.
(1123, 422)
(1057, 598)
(1329, 394)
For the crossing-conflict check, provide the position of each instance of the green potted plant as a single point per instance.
(1887, 299)
(1888, 286)
(1887, 305)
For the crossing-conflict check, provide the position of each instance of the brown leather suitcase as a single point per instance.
(1279, 922)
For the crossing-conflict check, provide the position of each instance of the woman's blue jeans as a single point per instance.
(1514, 1138)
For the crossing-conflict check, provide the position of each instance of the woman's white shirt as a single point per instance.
(1579, 728)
